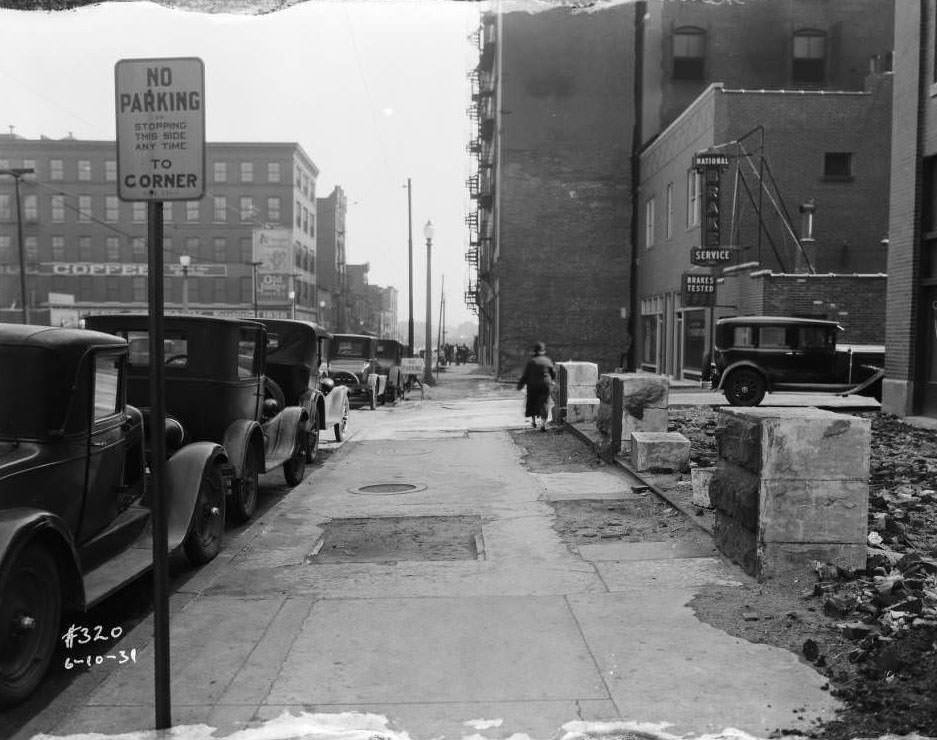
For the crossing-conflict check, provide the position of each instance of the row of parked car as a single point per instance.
(242, 398)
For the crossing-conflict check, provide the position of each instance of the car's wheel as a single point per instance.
(744, 388)
(30, 616)
(342, 423)
(245, 500)
(295, 468)
(206, 531)
(312, 441)
(273, 390)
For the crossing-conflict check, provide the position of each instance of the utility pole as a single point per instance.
(410, 263)
(428, 353)
(17, 174)
(254, 265)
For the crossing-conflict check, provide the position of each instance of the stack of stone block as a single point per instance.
(630, 402)
(791, 488)
(574, 399)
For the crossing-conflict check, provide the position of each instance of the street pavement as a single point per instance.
(522, 636)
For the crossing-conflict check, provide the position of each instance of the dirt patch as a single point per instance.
(869, 632)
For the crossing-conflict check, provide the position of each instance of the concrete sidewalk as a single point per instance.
(521, 636)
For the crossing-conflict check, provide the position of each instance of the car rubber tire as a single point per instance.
(295, 468)
(206, 530)
(30, 614)
(244, 502)
(744, 387)
(273, 390)
(341, 424)
(312, 440)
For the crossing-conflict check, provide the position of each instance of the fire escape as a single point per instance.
(481, 185)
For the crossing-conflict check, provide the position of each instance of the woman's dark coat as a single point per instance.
(538, 376)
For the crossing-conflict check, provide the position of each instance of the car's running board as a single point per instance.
(119, 570)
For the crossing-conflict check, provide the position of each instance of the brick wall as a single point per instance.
(563, 270)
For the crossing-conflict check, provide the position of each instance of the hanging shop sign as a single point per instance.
(712, 257)
(698, 289)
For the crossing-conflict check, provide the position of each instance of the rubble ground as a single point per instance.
(872, 633)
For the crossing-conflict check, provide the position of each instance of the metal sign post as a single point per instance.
(160, 156)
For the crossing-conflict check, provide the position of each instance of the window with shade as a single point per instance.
(808, 66)
(689, 53)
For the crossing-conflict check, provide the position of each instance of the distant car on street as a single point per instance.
(754, 355)
(353, 364)
(216, 390)
(75, 517)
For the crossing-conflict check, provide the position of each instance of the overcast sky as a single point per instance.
(374, 91)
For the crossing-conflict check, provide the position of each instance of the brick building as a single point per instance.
(551, 238)
(816, 152)
(553, 106)
(85, 250)
(330, 246)
(910, 385)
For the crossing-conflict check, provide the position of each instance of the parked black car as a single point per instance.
(389, 354)
(754, 355)
(74, 490)
(216, 391)
(353, 364)
(297, 365)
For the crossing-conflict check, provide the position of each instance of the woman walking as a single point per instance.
(538, 376)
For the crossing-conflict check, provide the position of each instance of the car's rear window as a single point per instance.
(743, 336)
(175, 349)
(351, 348)
(772, 337)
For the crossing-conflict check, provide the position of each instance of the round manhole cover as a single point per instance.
(389, 489)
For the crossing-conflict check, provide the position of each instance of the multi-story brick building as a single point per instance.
(910, 385)
(330, 247)
(87, 249)
(788, 152)
(551, 239)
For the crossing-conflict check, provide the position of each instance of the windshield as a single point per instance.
(351, 348)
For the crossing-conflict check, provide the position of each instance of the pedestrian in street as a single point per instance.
(538, 376)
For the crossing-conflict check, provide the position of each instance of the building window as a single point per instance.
(221, 171)
(299, 178)
(56, 169)
(219, 289)
(139, 213)
(28, 164)
(85, 288)
(192, 246)
(649, 207)
(84, 169)
(809, 58)
(305, 220)
(110, 170)
(220, 209)
(668, 224)
(112, 244)
(31, 208)
(191, 210)
(58, 248)
(273, 210)
(837, 166)
(247, 208)
(31, 248)
(305, 184)
(692, 198)
(138, 247)
(84, 208)
(111, 290)
(299, 215)
(689, 53)
(247, 172)
(6, 208)
(58, 209)
(111, 208)
(312, 224)
(220, 249)
(167, 244)
(247, 290)
(167, 213)
(273, 172)
(6, 248)
(139, 289)
(246, 249)
(84, 248)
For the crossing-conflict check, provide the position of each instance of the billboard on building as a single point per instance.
(273, 258)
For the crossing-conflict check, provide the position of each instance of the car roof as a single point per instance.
(795, 320)
(294, 325)
(55, 338)
(175, 319)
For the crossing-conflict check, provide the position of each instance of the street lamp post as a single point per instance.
(17, 173)
(254, 266)
(427, 354)
(292, 304)
(185, 260)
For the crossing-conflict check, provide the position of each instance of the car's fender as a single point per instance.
(183, 477)
(281, 434)
(20, 525)
(237, 439)
(334, 406)
(742, 363)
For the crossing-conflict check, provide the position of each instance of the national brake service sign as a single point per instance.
(160, 128)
